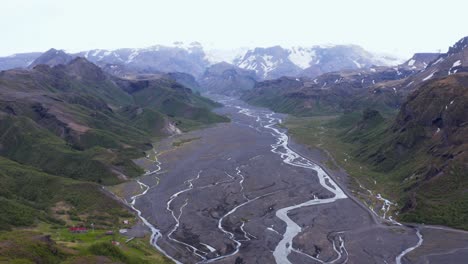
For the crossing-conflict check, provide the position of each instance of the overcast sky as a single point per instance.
(393, 26)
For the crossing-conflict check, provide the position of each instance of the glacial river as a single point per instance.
(189, 236)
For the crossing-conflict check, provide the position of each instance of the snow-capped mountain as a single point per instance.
(186, 58)
(274, 62)
(267, 63)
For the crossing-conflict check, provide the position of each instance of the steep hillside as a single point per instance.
(64, 131)
(76, 114)
(186, 80)
(416, 158)
(335, 92)
(180, 104)
(425, 151)
(455, 60)
(419, 61)
(47, 205)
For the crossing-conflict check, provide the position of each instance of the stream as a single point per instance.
(263, 122)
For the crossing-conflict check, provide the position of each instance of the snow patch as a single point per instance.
(437, 61)
(133, 55)
(96, 52)
(397, 71)
(248, 63)
(357, 64)
(455, 64)
(428, 77)
(269, 64)
(301, 56)
(229, 55)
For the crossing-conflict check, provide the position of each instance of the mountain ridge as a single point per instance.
(193, 59)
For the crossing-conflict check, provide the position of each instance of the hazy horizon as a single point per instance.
(398, 27)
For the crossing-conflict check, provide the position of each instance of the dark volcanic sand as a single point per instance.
(227, 153)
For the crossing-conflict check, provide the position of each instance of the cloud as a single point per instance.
(396, 26)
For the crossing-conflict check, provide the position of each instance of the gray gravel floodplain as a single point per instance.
(215, 199)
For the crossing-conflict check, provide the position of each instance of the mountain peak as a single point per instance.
(419, 61)
(459, 46)
(82, 68)
(52, 57)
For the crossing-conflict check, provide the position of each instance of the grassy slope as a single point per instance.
(285, 96)
(49, 170)
(119, 125)
(29, 196)
(61, 246)
(442, 200)
(188, 110)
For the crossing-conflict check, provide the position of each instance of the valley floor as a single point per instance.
(242, 192)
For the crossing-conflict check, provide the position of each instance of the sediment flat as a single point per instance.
(215, 195)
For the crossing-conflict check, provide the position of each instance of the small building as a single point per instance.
(109, 233)
(115, 243)
(125, 222)
(76, 229)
